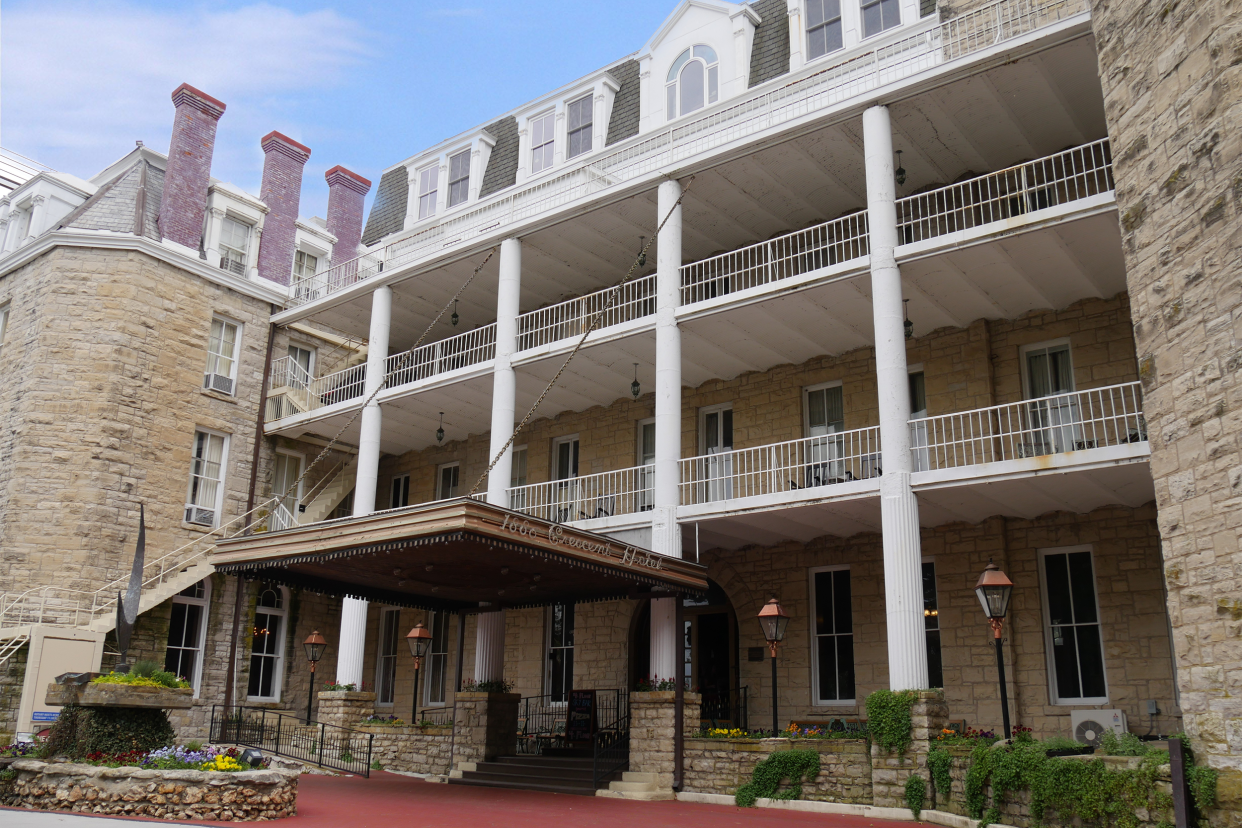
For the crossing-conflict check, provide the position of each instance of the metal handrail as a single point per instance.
(319, 743)
(606, 494)
(636, 299)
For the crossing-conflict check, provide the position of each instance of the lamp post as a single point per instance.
(773, 619)
(994, 590)
(419, 640)
(315, 645)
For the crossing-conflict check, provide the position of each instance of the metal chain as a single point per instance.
(612, 294)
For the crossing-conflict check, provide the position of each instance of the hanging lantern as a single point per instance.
(901, 171)
(454, 318)
(635, 388)
(908, 325)
(440, 430)
(642, 251)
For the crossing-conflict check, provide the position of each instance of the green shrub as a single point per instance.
(121, 729)
(888, 719)
(940, 765)
(1127, 744)
(795, 765)
(144, 667)
(916, 794)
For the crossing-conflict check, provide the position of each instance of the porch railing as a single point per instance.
(321, 744)
(461, 351)
(611, 749)
(726, 709)
(781, 467)
(1032, 428)
(438, 716)
(830, 243)
(606, 494)
(928, 46)
(570, 318)
(1036, 185)
(541, 721)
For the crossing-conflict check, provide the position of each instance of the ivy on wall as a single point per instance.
(888, 719)
(797, 766)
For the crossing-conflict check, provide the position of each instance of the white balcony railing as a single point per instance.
(461, 351)
(830, 243)
(622, 492)
(1033, 428)
(563, 320)
(929, 46)
(808, 463)
(1067, 176)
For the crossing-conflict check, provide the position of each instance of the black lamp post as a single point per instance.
(315, 645)
(419, 640)
(994, 590)
(773, 619)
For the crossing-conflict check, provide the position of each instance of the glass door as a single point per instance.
(646, 457)
(287, 489)
(1055, 419)
(918, 410)
(716, 435)
(825, 417)
(565, 470)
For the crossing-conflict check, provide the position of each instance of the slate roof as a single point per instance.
(624, 121)
(129, 203)
(502, 166)
(769, 54)
(388, 210)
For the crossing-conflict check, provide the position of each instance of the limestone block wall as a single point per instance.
(345, 708)
(411, 749)
(1172, 101)
(486, 725)
(721, 766)
(652, 728)
(890, 770)
(12, 674)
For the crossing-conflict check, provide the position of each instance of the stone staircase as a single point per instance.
(331, 495)
(566, 774)
(640, 786)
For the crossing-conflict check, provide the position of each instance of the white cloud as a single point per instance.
(83, 81)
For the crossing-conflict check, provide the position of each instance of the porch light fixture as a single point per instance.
(642, 251)
(440, 430)
(454, 318)
(635, 388)
(774, 620)
(908, 325)
(900, 171)
(994, 590)
(419, 640)
(315, 644)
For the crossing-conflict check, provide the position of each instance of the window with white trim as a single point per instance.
(386, 666)
(560, 677)
(428, 188)
(832, 631)
(234, 245)
(931, 625)
(187, 633)
(4, 324)
(459, 178)
(823, 27)
(437, 659)
(1072, 626)
(693, 81)
(304, 264)
(542, 141)
(267, 643)
(880, 16)
(223, 345)
(579, 134)
(206, 490)
(400, 492)
(448, 480)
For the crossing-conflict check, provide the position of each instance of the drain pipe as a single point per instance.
(461, 654)
(679, 692)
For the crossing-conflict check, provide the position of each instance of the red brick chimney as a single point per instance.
(281, 191)
(189, 166)
(346, 192)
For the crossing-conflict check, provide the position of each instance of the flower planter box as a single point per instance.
(120, 695)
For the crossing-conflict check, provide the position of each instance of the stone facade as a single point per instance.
(721, 766)
(412, 749)
(652, 728)
(344, 708)
(1170, 74)
(163, 794)
(889, 771)
(486, 724)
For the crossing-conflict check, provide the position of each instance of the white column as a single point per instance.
(664, 637)
(796, 60)
(489, 651)
(665, 534)
(354, 610)
(37, 213)
(899, 508)
(411, 199)
(211, 244)
(504, 383)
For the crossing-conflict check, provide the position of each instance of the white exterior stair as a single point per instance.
(639, 786)
(158, 594)
(331, 495)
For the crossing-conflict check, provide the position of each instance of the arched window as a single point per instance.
(693, 81)
(267, 643)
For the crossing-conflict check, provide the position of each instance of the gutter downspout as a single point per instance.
(679, 697)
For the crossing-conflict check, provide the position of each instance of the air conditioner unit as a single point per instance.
(200, 516)
(218, 382)
(1090, 725)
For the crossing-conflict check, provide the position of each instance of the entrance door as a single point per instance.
(711, 657)
(716, 438)
(825, 417)
(646, 457)
(565, 470)
(288, 469)
(918, 410)
(1055, 419)
(560, 673)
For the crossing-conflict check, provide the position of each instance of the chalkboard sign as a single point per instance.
(580, 723)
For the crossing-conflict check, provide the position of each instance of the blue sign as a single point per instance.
(45, 715)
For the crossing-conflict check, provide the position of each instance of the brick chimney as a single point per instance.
(189, 166)
(346, 192)
(281, 191)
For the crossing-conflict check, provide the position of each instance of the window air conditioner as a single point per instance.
(1089, 725)
(233, 265)
(218, 382)
(200, 516)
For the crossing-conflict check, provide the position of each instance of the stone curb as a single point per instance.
(841, 808)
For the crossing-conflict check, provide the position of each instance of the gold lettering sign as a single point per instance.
(556, 535)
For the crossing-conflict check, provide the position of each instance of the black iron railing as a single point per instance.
(321, 744)
(726, 709)
(611, 750)
(437, 716)
(541, 721)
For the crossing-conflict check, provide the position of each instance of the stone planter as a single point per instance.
(345, 708)
(167, 794)
(120, 695)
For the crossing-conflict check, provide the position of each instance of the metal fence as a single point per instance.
(541, 721)
(606, 494)
(725, 709)
(635, 300)
(321, 744)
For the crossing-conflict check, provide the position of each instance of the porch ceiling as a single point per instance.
(842, 518)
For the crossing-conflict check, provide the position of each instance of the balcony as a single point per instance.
(592, 497)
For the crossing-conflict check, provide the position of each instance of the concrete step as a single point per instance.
(547, 787)
(536, 772)
(638, 776)
(631, 787)
(639, 796)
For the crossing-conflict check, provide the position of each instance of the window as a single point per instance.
(1055, 421)
(693, 77)
(428, 187)
(1072, 626)
(222, 346)
(206, 478)
(267, 643)
(823, 27)
(542, 141)
(437, 658)
(646, 457)
(565, 470)
(880, 15)
(448, 478)
(400, 492)
(716, 443)
(459, 178)
(931, 622)
(386, 669)
(518, 500)
(918, 410)
(1049, 371)
(287, 488)
(824, 407)
(234, 244)
(579, 126)
(304, 265)
(832, 654)
(560, 652)
(301, 366)
(187, 633)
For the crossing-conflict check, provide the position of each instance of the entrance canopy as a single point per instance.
(455, 555)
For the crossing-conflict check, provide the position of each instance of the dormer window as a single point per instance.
(234, 244)
(428, 187)
(542, 141)
(304, 265)
(880, 15)
(579, 126)
(693, 81)
(459, 178)
(823, 27)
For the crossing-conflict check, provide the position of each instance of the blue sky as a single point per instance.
(363, 84)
